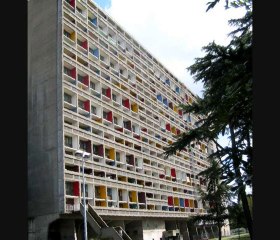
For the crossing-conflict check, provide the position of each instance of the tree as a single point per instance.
(236, 216)
(216, 196)
(226, 105)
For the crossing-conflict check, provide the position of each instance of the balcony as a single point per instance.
(84, 107)
(106, 94)
(69, 36)
(69, 74)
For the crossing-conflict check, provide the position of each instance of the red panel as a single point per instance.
(120, 129)
(108, 93)
(187, 204)
(86, 80)
(110, 116)
(73, 73)
(168, 128)
(173, 172)
(180, 112)
(126, 103)
(161, 176)
(137, 137)
(100, 150)
(178, 131)
(170, 201)
(84, 44)
(87, 105)
(72, 3)
(76, 188)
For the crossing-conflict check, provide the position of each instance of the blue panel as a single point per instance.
(159, 97)
(94, 21)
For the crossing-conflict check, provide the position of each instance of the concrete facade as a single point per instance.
(92, 87)
(45, 168)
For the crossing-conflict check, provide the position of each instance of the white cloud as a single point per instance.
(174, 31)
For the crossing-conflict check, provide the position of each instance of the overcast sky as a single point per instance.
(174, 31)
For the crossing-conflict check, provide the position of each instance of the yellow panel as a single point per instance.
(176, 201)
(103, 192)
(112, 153)
(123, 205)
(191, 203)
(134, 107)
(73, 36)
(134, 196)
(103, 204)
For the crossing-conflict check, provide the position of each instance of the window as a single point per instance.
(67, 34)
(68, 141)
(69, 188)
(92, 85)
(115, 120)
(93, 110)
(104, 91)
(112, 65)
(83, 145)
(107, 153)
(102, 58)
(79, 10)
(67, 98)
(67, 71)
(80, 78)
(79, 42)
(118, 156)
(81, 104)
(105, 115)
(114, 96)
(95, 149)
(121, 71)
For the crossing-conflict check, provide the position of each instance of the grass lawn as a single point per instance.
(243, 236)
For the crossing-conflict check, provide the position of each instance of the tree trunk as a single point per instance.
(240, 184)
(220, 231)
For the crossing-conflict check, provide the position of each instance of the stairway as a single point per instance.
(101, 228)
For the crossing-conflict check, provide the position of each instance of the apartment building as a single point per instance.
(93, 87)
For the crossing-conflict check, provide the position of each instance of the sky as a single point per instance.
(174, 32)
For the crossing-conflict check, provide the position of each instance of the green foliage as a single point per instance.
(236, 216)
(217, 196)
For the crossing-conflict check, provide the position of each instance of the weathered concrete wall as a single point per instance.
(45, 168)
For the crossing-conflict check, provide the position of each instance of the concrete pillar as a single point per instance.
(184, 233)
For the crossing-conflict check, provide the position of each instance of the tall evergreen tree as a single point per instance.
(217, 196)
(226, 74)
